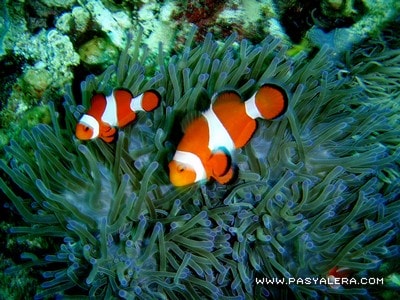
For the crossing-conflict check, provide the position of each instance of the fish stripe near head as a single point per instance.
(193, 161)
(218, 135)
(110, 113)
(91, 122)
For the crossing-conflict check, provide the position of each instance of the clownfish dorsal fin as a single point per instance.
(98, 104)
(188, 119)
(97, 97)
(228, 97)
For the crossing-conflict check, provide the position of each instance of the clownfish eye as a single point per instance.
(181, 168)
(86, 128)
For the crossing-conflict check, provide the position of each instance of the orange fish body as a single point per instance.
(116, 110)
(209, 141)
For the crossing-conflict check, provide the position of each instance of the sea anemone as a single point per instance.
(316, 189)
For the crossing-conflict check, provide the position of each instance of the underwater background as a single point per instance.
(317, 189)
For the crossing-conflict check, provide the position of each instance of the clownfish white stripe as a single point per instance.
(193, 161)
(136, 103)
(218, 135)
(91, 122)
(251, 108)
(110, 113)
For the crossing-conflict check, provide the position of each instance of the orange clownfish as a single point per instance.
(336, 274)
(209, 141)
(115, 110)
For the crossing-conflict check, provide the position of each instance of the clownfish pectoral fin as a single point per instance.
(107, 133)
(219, 163)
(151, 99)
(221, 167)
(228, 177)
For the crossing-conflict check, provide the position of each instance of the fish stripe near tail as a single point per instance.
(147, 101)
(136, 103)
(269, 102)
(251, 108)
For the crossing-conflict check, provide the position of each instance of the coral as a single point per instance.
(155, 18)
(44, 47)
(98, 52)
(75, 22)
(4, 24)
(51, 56)
(36, 80)
(377, 15)
(295, 17)
(203, 14)
(250, 19)
(318, 188)
(41, 15)
(46, 38)
(59, 3)
(112, 24)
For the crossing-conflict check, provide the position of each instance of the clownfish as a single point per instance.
(208, 142)
(336, 274)
(115, 110)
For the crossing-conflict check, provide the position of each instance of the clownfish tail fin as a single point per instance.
(151, 99)
(269, 102)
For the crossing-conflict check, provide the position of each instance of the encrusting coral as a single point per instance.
(316, 189)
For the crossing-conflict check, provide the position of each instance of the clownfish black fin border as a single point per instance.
(154, 91)
(235, 175)
(227, 90)
(157, 94)
(284, 93)
(123, 89)
(188, 119)
(231, 166)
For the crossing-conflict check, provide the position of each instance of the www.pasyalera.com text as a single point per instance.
(333, 281)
